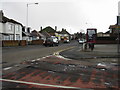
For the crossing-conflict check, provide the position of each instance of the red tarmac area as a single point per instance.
(55, 72)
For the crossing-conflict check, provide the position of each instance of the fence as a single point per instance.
(37, 42)
(106, 40)
(6, 43)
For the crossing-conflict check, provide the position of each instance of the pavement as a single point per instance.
(100, 51)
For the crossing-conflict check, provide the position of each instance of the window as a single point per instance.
(17, 28)
(10, 27)
(11, 37)
(5, 37)
(17, 37)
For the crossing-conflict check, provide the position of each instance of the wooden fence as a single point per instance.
(37, 42)
(6, 43)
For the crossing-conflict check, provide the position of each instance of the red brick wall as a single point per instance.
(23, 43)
(37, 42)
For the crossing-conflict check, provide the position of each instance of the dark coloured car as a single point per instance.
(51, 42)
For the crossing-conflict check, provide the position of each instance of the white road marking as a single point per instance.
(45, 57)
(7, 68)
(33, 60)
(59, 56)
(39, 84)
(16, 65)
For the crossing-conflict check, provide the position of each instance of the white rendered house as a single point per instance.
(10, 29)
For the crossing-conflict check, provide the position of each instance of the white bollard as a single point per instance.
(84, 46)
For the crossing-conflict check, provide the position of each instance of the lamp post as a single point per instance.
(118, 39)
(27, 13)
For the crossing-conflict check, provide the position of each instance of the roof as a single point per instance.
(25, 33)
(46, 34)
(5, 19)
(48, 30)
(64, 32)
(58, 32)
(35, 33)
(91, 29)
(114, 26)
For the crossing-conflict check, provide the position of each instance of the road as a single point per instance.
(14, 55)
(41, 67)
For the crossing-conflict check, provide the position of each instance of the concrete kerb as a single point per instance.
(57, 54)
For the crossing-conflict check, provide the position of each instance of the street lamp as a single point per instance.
(118, 39)
(27, 13)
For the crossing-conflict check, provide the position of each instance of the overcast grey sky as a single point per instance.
(73, 15)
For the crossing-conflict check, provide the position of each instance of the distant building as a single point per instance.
(10, 29)
(64, 34)
(49, 30)
(114, 29)
(37, 35)
(26, 34)
(101, 34)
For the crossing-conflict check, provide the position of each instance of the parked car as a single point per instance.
(66, 41)
(81, 41)
(51, 42)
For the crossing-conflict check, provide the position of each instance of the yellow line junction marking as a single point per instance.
(57, 53)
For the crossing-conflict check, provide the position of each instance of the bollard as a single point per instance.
(84, 46)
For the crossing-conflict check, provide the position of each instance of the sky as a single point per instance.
(73, 15)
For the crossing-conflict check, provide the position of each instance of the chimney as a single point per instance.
(41, 28)
(55, 28)
(23, 29)
(1, 15)
(28, 29)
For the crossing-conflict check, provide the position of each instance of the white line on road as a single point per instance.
(45, 57)
(7, 68)
(39, 84)
(59, 56)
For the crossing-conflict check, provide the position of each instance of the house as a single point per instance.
(45, 35)
(10, 29)
(114, 28)
(48, 30)
(64, 34)
(35, 35)
(26, 34)
(58, 35)
(101, 34)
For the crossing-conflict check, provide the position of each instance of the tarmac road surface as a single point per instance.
(14, 55)
(54, 71)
